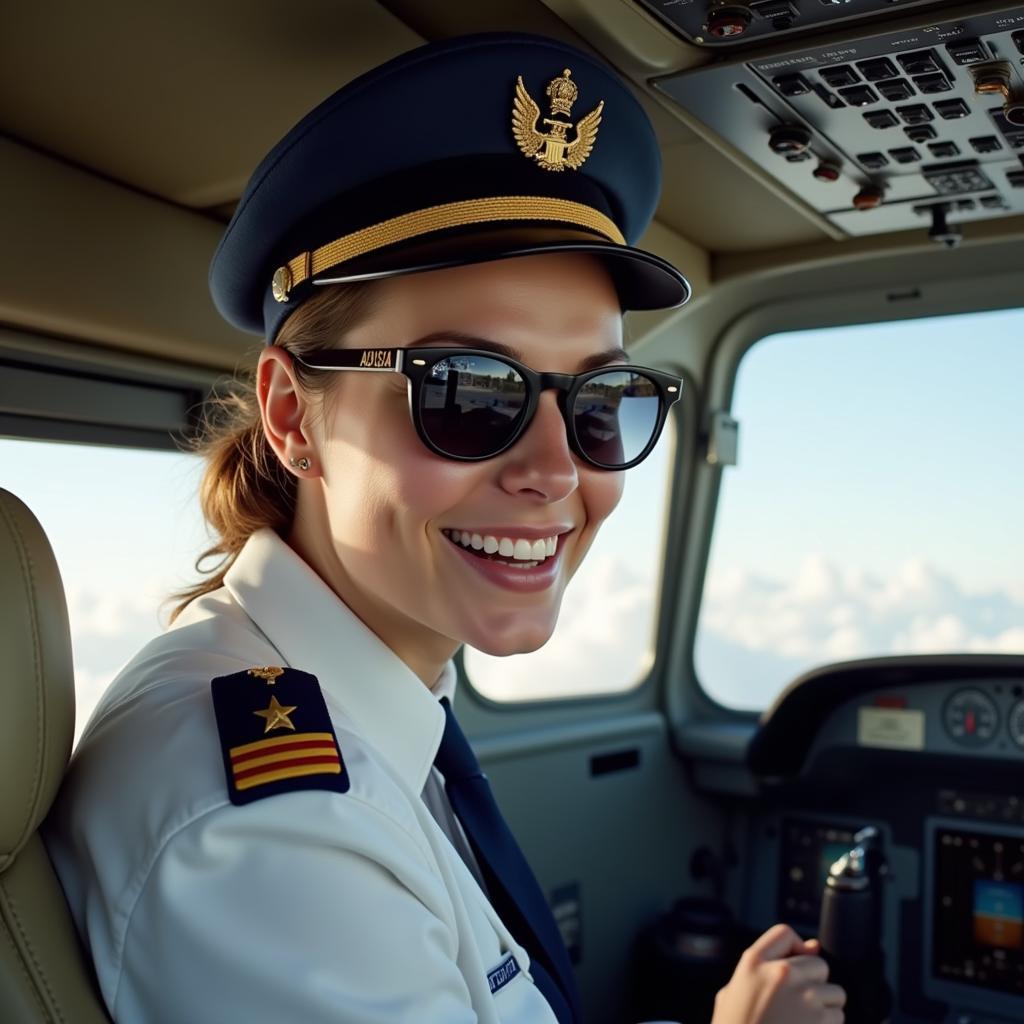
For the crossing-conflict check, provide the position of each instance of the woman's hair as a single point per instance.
(244, 486)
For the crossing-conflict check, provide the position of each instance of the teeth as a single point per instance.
(527, 553)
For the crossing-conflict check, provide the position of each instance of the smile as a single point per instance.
(512, 551)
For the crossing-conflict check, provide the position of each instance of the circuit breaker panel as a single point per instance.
(899, 130)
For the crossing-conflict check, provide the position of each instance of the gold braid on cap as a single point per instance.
(435, 218)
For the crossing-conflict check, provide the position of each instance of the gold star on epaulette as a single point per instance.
(276, 715)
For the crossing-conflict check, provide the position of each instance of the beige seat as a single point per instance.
(44, 974)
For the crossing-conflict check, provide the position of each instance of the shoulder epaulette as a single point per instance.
(276, 734)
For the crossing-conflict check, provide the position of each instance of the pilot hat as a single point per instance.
(480, 147)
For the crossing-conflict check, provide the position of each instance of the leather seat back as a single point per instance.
(44, 973)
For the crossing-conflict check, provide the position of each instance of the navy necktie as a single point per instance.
(512, 886)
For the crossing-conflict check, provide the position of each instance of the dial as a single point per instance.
(1015, 723)
(972, 718)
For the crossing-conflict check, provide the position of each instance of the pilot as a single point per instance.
(273, 814)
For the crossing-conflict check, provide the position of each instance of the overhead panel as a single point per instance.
(919, 127)
(727, 23)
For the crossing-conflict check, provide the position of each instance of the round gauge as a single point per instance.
(1015, 723)
(971, 718)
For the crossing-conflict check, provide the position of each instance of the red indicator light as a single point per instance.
(890, 702)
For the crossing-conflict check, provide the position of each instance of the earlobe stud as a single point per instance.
(302, 463)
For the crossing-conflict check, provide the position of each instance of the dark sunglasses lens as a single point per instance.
(471, 405)
(616, 415)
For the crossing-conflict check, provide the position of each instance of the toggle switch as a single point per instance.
(789, 139)
(731, 20)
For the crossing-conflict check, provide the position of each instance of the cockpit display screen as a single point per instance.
(978, 919)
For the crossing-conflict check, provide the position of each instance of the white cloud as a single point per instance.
(757, 633)
(107, 629)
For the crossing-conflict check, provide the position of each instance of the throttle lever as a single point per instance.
(850, 929)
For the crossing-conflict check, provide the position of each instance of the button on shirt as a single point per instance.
(311, 906)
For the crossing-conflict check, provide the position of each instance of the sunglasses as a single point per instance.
(470, 405)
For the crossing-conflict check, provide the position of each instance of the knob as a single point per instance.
(869, 197)
(1013, 110)
(787, 139)
(992, 79)
(827, 171)
(730, 20)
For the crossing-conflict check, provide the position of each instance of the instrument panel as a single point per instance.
(931, 756)
(984, 718)
(975, 905)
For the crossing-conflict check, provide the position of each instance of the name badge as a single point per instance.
(503, 974)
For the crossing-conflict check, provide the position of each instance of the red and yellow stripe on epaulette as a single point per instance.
(284, 757)
(276, 734)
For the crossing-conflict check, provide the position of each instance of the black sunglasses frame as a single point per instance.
(417, 363)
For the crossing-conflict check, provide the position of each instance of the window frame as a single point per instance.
(50, 390)
(707, 725)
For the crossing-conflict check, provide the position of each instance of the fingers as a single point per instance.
(808, 970)
(778, 942)
(828, 999)
(833, 995)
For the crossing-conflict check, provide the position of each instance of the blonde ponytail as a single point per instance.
(244, 485)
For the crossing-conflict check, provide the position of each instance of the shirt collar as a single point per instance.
(314, 630)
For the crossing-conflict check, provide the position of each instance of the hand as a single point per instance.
(780, 979)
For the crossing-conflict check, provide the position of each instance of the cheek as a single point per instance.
(389, 480)
(601, 493)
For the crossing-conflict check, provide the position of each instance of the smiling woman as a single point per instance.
(274, 814)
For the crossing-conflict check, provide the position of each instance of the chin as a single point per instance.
(512, 637)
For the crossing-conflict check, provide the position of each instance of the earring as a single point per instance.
(302, 463)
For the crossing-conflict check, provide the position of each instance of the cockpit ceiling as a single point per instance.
(181, 101)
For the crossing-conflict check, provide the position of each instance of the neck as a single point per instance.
(424, 651)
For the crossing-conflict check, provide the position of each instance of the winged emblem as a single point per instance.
(552, 150)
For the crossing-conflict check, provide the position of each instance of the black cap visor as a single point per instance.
(643, 281)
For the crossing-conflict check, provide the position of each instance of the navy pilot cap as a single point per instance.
(476, 148)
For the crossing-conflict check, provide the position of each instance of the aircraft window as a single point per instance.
(604, 640)
(877, 506)
(125, 528)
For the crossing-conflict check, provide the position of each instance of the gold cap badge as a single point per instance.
(553, 151)
(281, 283)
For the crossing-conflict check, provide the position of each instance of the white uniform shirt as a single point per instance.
(312, 907)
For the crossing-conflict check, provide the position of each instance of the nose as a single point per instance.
(541, 463)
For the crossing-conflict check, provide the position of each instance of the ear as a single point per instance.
(283, 409)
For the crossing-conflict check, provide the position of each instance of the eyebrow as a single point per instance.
(611, 355)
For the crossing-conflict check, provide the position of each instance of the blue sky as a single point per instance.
(878, 503)
(878, 441)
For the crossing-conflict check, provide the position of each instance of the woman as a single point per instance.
(273, 815)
